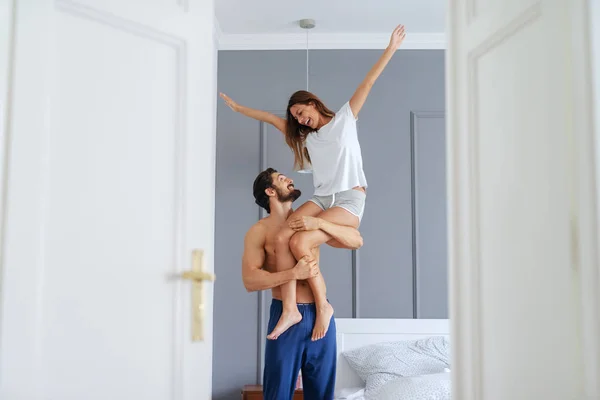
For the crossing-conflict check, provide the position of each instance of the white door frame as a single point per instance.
(467, 381)
(586, 137)
(7, 9)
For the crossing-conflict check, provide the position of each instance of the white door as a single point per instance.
(521, 236)
(110, 189)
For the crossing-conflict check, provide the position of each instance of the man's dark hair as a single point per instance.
(263, 181)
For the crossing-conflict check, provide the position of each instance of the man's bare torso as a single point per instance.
(303, 292)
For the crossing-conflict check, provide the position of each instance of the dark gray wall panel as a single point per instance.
(429, 188)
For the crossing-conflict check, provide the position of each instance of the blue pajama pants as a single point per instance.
(294, 351)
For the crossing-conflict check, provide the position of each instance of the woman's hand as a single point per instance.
(232, 104)
(362, 92)
(304, 223)
(397, 37)
(258, 115)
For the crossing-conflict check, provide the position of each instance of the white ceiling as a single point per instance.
(332, 16)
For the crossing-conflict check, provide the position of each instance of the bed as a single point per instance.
(353, 334)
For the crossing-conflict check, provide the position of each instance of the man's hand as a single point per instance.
(304, 223)
(306, 268)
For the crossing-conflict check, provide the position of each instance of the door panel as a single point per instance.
(111, 187)
(513, 269)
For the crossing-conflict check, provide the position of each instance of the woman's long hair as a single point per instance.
(295, 132)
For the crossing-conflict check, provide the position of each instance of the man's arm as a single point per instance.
(342, 236)
(255, 278)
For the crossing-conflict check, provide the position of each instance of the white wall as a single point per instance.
(595, 27)
(594, 13)
(6, 17)
(595, 42)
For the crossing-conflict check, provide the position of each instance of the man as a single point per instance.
(294, 349)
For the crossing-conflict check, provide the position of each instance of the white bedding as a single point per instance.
(423, 387)
(352, 393)
(392, 364)
(382, 362)
(401, 359)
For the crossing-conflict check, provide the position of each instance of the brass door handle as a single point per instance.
(198, 276)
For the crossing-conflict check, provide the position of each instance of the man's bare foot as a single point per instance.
(324, 314)
(287, 319)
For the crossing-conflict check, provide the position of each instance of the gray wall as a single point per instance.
(400, 272)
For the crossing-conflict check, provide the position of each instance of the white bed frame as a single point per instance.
(353, 333)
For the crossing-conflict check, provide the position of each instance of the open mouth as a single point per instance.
(308, 122)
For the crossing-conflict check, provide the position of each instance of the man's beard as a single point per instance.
(291, 196)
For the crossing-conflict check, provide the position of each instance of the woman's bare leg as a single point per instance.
(302, 244)
(305, 243)
(285, 260)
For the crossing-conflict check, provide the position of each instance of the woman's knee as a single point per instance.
(300, 244)
(282, 240)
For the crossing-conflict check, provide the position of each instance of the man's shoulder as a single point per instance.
(258, 230)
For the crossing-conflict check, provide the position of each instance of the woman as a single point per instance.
(329, 141)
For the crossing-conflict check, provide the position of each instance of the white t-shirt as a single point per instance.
(335, 155)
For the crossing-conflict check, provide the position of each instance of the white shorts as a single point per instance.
(351, 200)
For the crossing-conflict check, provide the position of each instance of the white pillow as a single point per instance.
(353, 393)
(424, 387)
(379, 363)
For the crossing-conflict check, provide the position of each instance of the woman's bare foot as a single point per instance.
(287, 319)
(324, 314)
